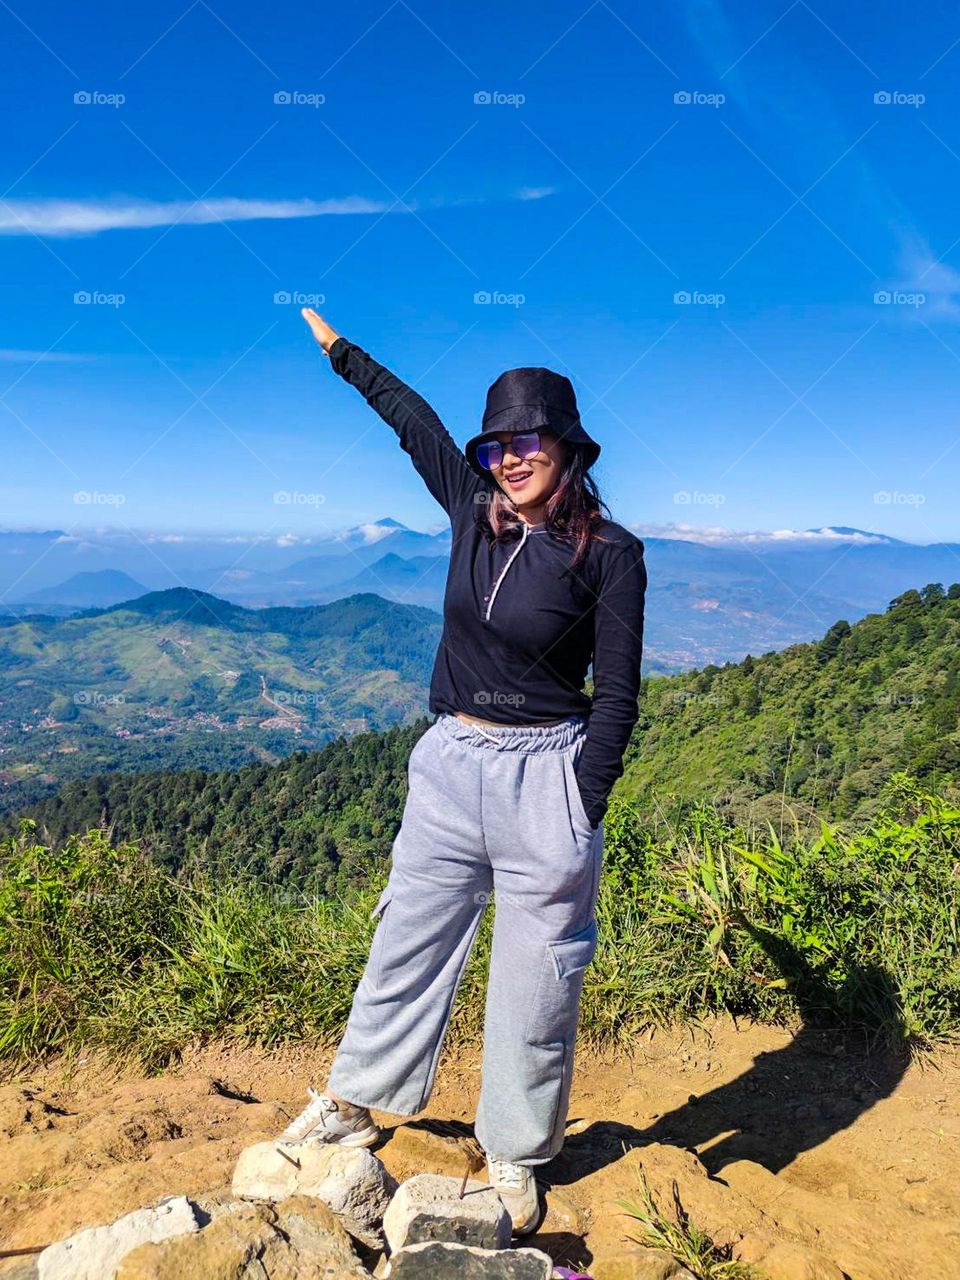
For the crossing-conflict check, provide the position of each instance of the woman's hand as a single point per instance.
(324, 335)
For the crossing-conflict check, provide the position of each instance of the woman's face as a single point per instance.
(529, 482)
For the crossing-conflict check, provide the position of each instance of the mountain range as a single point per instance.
(183, 679)
(816, 731)
(713, 596)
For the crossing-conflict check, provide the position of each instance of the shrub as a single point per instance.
(101, 947)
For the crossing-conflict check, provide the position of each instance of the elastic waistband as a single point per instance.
(529, 739)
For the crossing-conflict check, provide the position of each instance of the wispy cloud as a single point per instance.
(55, 217)
(87, 217)
(718, 536)
(928, 275)
(10, 355)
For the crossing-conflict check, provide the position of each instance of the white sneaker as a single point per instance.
(322, 1119)
(517, 1188)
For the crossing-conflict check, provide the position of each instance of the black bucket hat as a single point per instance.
(525, 399)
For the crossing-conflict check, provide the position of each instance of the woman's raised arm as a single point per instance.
(435, 453)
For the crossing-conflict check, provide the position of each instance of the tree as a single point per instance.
(908, 599)
(830, 643)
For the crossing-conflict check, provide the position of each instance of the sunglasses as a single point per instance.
(524, 444)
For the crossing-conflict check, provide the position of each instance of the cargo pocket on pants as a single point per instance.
(553, 1013)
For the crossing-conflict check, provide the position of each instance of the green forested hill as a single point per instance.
(315, 818)
(817, 729)
(818, 726)
(181, 679)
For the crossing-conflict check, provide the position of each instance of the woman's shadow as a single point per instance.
(790, 1100)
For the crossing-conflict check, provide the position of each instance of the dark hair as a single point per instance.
(572, 511)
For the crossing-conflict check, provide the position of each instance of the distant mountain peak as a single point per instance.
(186, 603)
(854, 535)
(92, 588)
(374, 531)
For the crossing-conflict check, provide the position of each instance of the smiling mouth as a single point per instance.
(519, 478)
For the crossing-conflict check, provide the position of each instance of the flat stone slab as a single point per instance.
(437, 1260)
(252, 1240)
(428, 1207)
(96, 1253)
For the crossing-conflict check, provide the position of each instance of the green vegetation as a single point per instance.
(238, 904)
(181, 679)
(678, 1236)
(103, 947)
(814, 731)
(818, 728)
(317, 820)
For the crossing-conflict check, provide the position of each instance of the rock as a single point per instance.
(752, 1247)
(96, 1253)
(419, 1149)
(300, 1239)
(215, 1204)
(634, 1262)
(310, 1225)
(438, 1260)
(561, 1216)
(783, 1260)
(350, 1180)
(240, 1244)
(428, 1207)
(21, 1269)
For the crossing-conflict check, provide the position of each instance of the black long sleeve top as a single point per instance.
(521, 628)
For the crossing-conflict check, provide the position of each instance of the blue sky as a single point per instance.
(782, 165)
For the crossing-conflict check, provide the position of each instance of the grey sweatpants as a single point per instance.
(491, 813)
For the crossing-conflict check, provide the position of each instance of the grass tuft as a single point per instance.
(678, 1236)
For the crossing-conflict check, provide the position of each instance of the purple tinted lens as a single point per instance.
(526, 443)
(489, 454)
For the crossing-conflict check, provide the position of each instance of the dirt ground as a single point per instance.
(776, 1142)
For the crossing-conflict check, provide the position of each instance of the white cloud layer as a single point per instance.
(87, 217)
(11, 355)
(719, 536)
(54, 217)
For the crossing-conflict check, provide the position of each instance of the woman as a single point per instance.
(509, 801)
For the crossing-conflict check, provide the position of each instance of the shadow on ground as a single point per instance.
(790, 1100)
